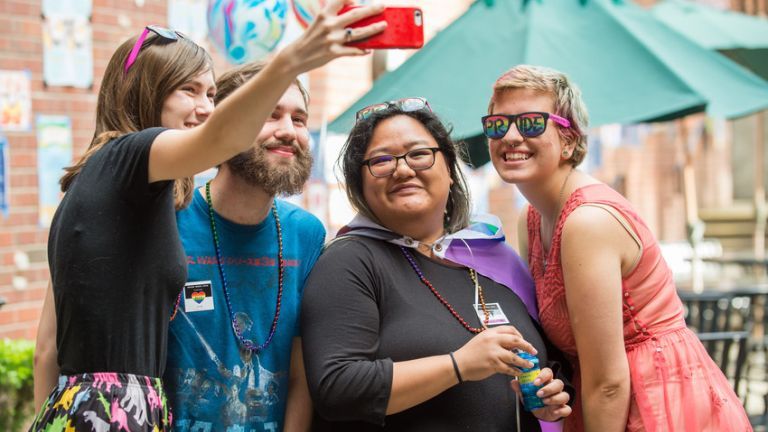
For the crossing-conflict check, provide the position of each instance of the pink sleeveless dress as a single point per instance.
(675, 385)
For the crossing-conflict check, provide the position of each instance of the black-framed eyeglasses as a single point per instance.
(409, 104)
(417, 159)
(528, 124)
(167, 34)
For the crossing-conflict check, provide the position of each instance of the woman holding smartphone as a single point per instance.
(116, 261)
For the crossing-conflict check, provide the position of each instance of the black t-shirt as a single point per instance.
(116, 263)
(364, 308)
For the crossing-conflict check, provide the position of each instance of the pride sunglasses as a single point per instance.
(529, 124)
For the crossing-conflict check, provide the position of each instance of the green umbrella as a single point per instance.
(744, 39)
(741, 37)
(630, 66)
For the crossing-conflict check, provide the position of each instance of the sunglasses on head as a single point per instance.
(529, 124)
(164, 33)
(406, 104)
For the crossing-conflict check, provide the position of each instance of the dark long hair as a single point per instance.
(352, 154)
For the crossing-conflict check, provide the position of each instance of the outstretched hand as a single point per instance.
(325, 38)
(552, 394)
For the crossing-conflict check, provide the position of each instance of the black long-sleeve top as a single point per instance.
(365, 307)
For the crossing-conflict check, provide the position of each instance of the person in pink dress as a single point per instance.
(606, 297)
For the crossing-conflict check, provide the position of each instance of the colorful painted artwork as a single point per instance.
(246, 30)
(67, 43)
(54, 152)
(306, 10)
(4, 176)
(15, 101)
(67, 51)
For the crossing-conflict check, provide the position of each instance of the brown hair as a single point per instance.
(236, 77)
(566, 95)
(133, 101)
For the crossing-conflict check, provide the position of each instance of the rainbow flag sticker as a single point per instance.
(198, 296)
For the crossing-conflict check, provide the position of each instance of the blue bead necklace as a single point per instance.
(246, 343)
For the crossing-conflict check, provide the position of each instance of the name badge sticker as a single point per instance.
(495, 314)
(198, 296)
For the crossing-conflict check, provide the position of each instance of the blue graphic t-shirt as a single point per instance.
(212, 384)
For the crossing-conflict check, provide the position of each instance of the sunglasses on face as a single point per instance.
(418, 160)
(164, 33)
(407, 104)
(529, 124)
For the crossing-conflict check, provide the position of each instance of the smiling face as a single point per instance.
(190, 104)
(406, 195)
(522, 160)
(280, 160)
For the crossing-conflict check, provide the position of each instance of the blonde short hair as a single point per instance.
(566, 95)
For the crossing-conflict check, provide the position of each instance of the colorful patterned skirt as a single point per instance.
(102, 402)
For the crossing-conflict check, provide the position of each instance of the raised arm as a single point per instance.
(236, 122)
(46, 366)
(594, 245)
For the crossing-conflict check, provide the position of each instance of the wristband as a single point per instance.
(456, 367)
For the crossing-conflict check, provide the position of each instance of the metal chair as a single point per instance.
(732, 327)
(729, 352)
(714, 311)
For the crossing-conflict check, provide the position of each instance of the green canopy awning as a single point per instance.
(743, 38)
(630, 66)
(713, 28)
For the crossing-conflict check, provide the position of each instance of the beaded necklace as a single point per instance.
(445, 303)
(247, 344)
(480, 296)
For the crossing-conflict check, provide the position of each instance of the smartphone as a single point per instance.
(405, 28)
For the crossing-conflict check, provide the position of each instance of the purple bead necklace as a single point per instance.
(246, 343)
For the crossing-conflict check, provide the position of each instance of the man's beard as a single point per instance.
(286, 179)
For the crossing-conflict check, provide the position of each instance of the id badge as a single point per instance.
(495, 314)
(198, 296)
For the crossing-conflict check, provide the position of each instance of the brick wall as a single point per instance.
(23, 262)
(23, 257)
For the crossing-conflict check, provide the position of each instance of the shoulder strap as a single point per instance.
(623, 221)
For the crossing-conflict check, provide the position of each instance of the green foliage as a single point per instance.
(16, 387)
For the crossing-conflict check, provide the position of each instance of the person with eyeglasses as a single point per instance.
(605, 295)
(411, 317)
(116, 262)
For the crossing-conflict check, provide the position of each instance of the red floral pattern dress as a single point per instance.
(675, 385)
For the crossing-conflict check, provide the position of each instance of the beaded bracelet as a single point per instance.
(456, 367)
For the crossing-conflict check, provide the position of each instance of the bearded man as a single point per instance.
(234, 349)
